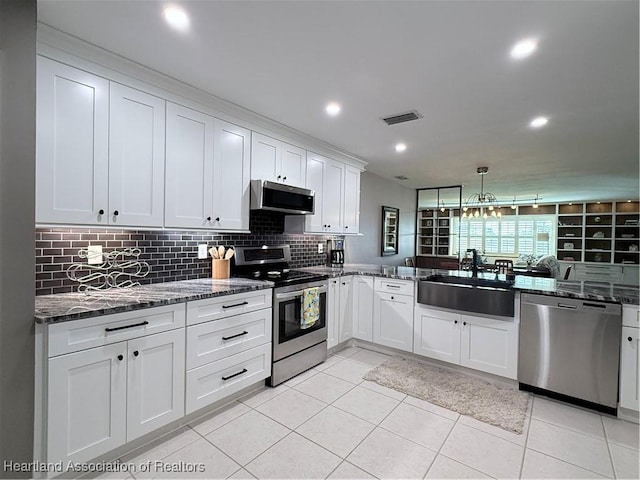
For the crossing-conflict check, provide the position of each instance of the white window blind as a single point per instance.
(514, 235)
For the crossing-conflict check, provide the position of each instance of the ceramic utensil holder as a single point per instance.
(219, 268)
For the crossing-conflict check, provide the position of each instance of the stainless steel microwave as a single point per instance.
(279, 197)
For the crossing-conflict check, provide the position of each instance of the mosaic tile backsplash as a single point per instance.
(172, 255)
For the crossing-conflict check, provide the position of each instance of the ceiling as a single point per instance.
(447, 59)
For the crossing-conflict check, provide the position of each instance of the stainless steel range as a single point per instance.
(296, 348)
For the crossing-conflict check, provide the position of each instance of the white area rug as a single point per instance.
(502, 406)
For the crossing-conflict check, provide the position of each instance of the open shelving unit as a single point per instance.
(599, 232)
(434, 231)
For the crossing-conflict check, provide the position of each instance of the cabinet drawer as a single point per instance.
(78, 335)
(209, 309)
(401, 287)
(214, 381)
(211, 341)
(607, 273)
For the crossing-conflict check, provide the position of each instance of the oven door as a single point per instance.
(288, 337)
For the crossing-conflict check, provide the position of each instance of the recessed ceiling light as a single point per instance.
(176, 17)
(539, 122)
(524, 48)
(400, 147)
(333, 109)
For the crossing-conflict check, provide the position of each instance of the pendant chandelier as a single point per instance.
(481, 205)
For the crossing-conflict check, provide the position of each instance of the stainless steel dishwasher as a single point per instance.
(570, 349)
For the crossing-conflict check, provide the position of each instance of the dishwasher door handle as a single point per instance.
(567, 305)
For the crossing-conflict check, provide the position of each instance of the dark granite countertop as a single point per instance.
(71, 306)
(585, 290)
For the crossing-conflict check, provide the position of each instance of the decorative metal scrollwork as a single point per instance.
(120, 269)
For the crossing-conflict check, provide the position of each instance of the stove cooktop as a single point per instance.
(283, 276)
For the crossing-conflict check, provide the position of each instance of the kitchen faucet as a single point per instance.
(474, 261)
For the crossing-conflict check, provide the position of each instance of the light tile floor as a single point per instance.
(329, 423)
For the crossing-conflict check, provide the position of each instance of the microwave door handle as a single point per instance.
(297, 293)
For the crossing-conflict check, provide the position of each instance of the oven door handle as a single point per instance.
(297, 293)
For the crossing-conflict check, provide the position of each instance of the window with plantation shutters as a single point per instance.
(511, 236)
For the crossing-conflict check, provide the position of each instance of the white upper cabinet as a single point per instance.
(351, 212)
(189, 168)
(277, 161)
(326, 178)
(231, 175)
(337, 198)
(136, 158)
(207, 172)
(72, 148)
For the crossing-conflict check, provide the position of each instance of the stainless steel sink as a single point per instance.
(469, 294)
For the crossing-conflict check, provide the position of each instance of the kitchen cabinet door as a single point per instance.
(630, 368)
(333, 313)
(489, 345)
(86, 411)
(293, 165)
(136, 158)
(346, 309)
(351, 200)
(277, 161)
(155, 390)
(189, 168)
(363, 308)
(72, 145)
(231, 176)
(437, 334)
(315, 182)
(393, 320)
(265, 157)
(333, 196)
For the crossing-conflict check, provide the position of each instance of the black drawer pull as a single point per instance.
(244, 370)
(235, 336)
(630, 339)
(235, 305)
(126, 326)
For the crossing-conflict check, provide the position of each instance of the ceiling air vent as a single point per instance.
(401, 177)
(402, 117)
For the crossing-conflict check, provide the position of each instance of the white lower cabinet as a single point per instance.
(216, 380)
(87, 403)
(103, 397)
(489, 345)
(339, 310)
(437, 334)
(481, 343)
(393, 314)
(362, 288)
(345, 318)
(231, 350)
(630, 358)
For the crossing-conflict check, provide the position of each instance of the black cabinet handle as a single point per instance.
(279, 177)
(392, 298)
(284, 178)
(244, 370)
(329, 226)
(630, 339)
(235, 305)
(455, 321)
(464, 323)
(101, 212)
(136, 353)
(126, 326)
(235, 336)
(217, 219)
(346, 226)
(120, 357)
(208, 219)
(344, 283)
(116, 213)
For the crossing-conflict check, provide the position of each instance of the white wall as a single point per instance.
(376, 192)
(17, 222)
